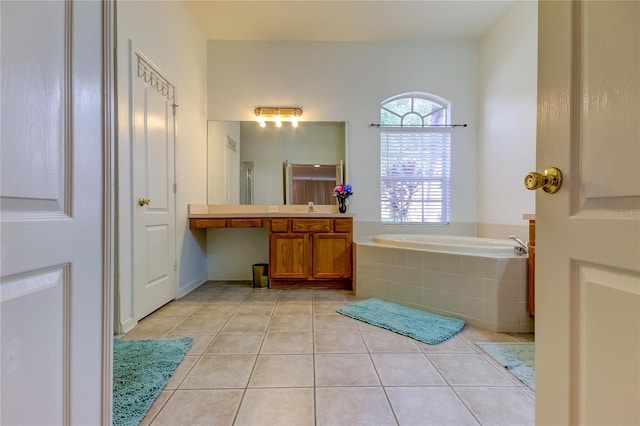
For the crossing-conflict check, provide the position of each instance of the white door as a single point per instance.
(588, 233)
(154, 262)
(54, 325)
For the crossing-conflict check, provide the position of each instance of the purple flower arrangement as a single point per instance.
(342, 191)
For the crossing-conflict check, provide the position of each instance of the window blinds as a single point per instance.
(415, 176)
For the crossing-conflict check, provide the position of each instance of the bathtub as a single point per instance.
(482, 281)
(450, 244)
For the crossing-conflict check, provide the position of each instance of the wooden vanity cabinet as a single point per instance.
(310, 252)
(289, 256)
(331, 256)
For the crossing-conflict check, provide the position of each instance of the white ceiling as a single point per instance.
(338, 20)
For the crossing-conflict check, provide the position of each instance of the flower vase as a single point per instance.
(342, 205)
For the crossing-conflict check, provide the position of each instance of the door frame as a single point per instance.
(108, 203)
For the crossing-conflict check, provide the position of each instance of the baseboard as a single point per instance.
(127, 325)
(184, 290)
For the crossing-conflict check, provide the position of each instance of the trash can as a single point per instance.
(261, 275)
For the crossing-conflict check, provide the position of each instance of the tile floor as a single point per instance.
(285, 357)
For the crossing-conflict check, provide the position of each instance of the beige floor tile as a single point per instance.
(156, 407)
(200, 407)
(352, 406)
(352, 298)
(453, 345)
(255, 308)
(200, 324)
(523, 337)
(498, 405)
(288, 342)
(293, 308)
(247, 323)
(295, 295)
(279, 371)
(228, 296)
(263, 295)
(429, 406)
(220, 371)
(345, 370)
(529, 392)
(291, 323)
(158, 324)
(181, 372)
(365, 326)
(339, 341)
(137, 334)
(219, 309)
(177, 309)
(512, 378)
(200, 341)
(229, 323)
(200, 297)
(332, 322)
(326, 307)
(380, 341)
(320, 296)
(277, 406)
(236, 343)
(406, 370)
(469, 370)
(472, 334)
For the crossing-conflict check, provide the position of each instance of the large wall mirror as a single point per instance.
(249, 164)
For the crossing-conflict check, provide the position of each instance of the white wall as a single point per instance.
(347, 82)
(167, 36)
(507, 85)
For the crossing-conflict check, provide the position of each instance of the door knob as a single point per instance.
(143, 201)
(550, 181)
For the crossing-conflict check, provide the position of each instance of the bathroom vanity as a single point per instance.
(306, 248)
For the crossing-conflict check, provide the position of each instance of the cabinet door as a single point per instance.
(332, 256)
(289, 255)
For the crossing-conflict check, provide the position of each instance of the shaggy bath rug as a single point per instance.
(141, 369)
(419, 325)
(519, 358)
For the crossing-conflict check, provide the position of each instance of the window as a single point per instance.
(415, 151)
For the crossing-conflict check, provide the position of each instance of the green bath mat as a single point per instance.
(518, 357)
(141, 369)
(419, 325)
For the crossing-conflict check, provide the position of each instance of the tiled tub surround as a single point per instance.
(487, 292)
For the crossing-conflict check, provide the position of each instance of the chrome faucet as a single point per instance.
(523, 249)
(310, 209)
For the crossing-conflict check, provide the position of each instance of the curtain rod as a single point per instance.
(418, 126)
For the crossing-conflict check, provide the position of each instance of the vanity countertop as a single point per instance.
(199, 211)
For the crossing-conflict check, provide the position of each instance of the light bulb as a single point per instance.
(278, 121)
(294, 121)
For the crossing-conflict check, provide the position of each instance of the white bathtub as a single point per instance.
(450, 244)
(479, 280)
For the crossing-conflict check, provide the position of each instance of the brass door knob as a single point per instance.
(550, 181)
(143, 201)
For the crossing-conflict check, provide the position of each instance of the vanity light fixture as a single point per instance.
(277, 115)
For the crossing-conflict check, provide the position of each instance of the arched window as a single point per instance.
(415, 157)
